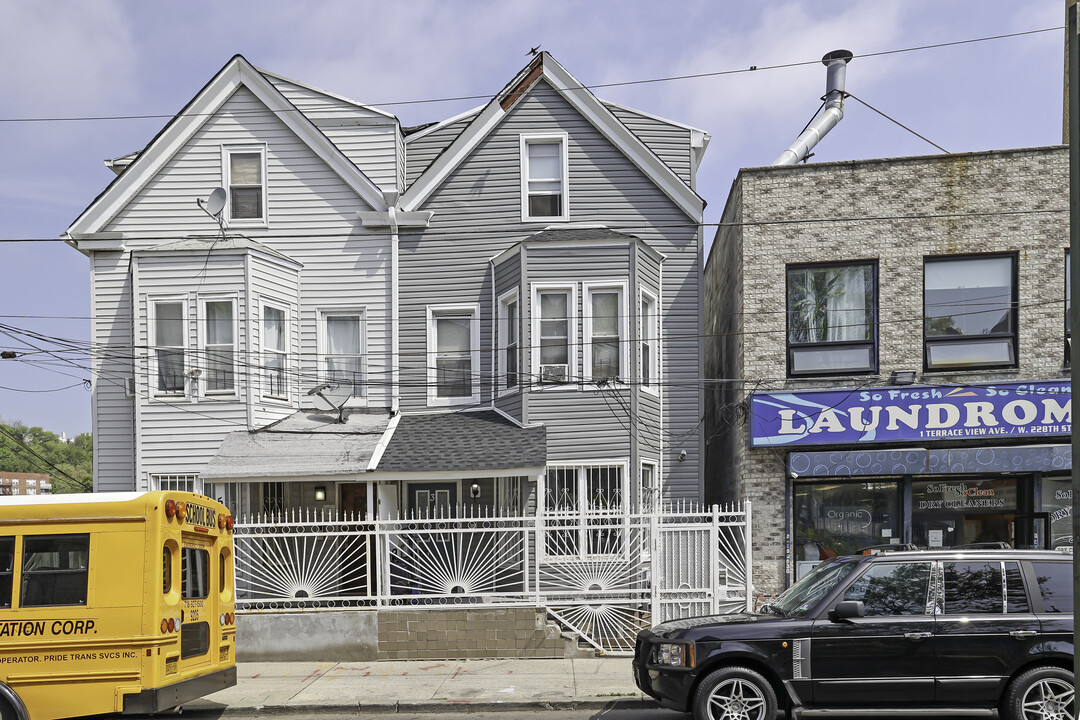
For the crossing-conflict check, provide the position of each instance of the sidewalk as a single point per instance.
(427, 686)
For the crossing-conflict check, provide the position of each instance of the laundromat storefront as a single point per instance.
(916, 465)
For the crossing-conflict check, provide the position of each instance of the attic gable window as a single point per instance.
(544, 172)
(245, 177)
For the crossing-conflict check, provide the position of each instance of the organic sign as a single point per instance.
(906, 414)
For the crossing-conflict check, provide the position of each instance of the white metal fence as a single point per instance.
(603, 574)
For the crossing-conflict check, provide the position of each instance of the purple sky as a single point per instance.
(63, 59)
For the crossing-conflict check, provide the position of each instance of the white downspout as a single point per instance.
(836, 62)
(395, 359)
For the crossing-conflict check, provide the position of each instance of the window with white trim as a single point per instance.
(510, 341)
(584, 510)
(274, 351)
(219, 345)
(543, 177)
(604, 328)
(185, 483)
(453, 354)
(245, 178)
(168, 323)
(343, 349)
(648, 489)
(650, 344)
(552, 327)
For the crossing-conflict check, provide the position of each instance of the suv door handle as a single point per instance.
(917, 636)
(1018, 634)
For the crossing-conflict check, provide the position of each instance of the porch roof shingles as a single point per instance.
(464, 441)
(304, 444)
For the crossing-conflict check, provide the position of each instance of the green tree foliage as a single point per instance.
(74, 460)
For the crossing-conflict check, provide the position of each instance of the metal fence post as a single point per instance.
(748, 559)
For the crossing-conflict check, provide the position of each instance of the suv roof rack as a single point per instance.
(892, 547)
(984, 546)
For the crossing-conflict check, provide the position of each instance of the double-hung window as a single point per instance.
(510, 341)
(553, 321)
(544, 171)
(343, 350)
(831, 312)
(168, 338)
(970, 312)
(604, 328)
(220, 345)
(245, 177)
(274, 349)
(453, 354)
(649, 342)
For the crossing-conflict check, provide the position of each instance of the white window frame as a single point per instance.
(151, 342)
(226, 182)
(264, 373)
(648, 504)
(204, 351)
(571, 332)
(587, 327)
(455, 310)
(180, 482)
(323, 342)
(505, 300)
(561, 139)
(575, 520)
(650, 336)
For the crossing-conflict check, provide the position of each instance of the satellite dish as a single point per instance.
(214, 204)
(330, 396)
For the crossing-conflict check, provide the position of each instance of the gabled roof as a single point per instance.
(236, 73)
(581, 99)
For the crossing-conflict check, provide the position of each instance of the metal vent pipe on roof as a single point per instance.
(833, 112)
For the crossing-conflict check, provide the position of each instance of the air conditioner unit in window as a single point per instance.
(554, 373)
(129, 387)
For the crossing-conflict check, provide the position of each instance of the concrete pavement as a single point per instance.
(427, 686)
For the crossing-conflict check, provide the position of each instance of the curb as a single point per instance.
(463, 706)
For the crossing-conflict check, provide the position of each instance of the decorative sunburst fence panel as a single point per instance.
(601, 572)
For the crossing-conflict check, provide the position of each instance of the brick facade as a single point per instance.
(893, 211)
(13, 483)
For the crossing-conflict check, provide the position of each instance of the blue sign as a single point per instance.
(910, 413)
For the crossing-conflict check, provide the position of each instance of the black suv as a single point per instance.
(948, 632)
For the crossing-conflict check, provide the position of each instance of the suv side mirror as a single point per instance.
(848, 609)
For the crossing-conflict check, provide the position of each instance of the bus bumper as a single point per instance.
(163, 698)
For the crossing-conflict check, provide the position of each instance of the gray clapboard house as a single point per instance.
(506, 304)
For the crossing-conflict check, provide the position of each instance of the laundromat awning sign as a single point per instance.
(906, 414)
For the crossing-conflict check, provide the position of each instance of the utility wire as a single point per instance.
(488, 96)
(921, 137)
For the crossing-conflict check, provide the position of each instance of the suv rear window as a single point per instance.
(973, 587)
(1056, 585)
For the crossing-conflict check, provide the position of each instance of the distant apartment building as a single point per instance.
(13, 483)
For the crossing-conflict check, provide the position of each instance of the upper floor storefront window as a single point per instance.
(831, 314)
(970, 312)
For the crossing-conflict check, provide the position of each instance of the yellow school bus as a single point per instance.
(114, 602)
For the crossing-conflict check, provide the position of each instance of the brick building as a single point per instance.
(13, 483)
(887, 355)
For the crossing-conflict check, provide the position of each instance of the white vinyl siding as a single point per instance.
(453, 340)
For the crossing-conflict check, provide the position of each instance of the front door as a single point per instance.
(428, 501)
(886, 657)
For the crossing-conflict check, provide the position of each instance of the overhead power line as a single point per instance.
(595, 86)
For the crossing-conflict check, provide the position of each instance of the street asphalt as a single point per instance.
(427, 686)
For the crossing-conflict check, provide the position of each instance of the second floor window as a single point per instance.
(831, 311)
(554, 333)
(649, 342)
(604, 349)
(509, 332)
(970, 312)
(169, 346)
(274, 352)
(220, 346)
(344, 358)
(544, 171)
(453, 360)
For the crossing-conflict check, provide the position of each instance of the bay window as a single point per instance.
(274, 352)
(220, 345)
(168, 333)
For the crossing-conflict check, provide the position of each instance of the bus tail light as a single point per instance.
(221, 522)
(170, 509)
(229, 522)
(181, 511)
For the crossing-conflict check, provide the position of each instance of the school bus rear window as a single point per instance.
(54, 570)
(194, 574)
(7, 556)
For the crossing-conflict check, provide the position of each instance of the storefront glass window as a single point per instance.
(961, 511)
(1057, 502)
(842, 518)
